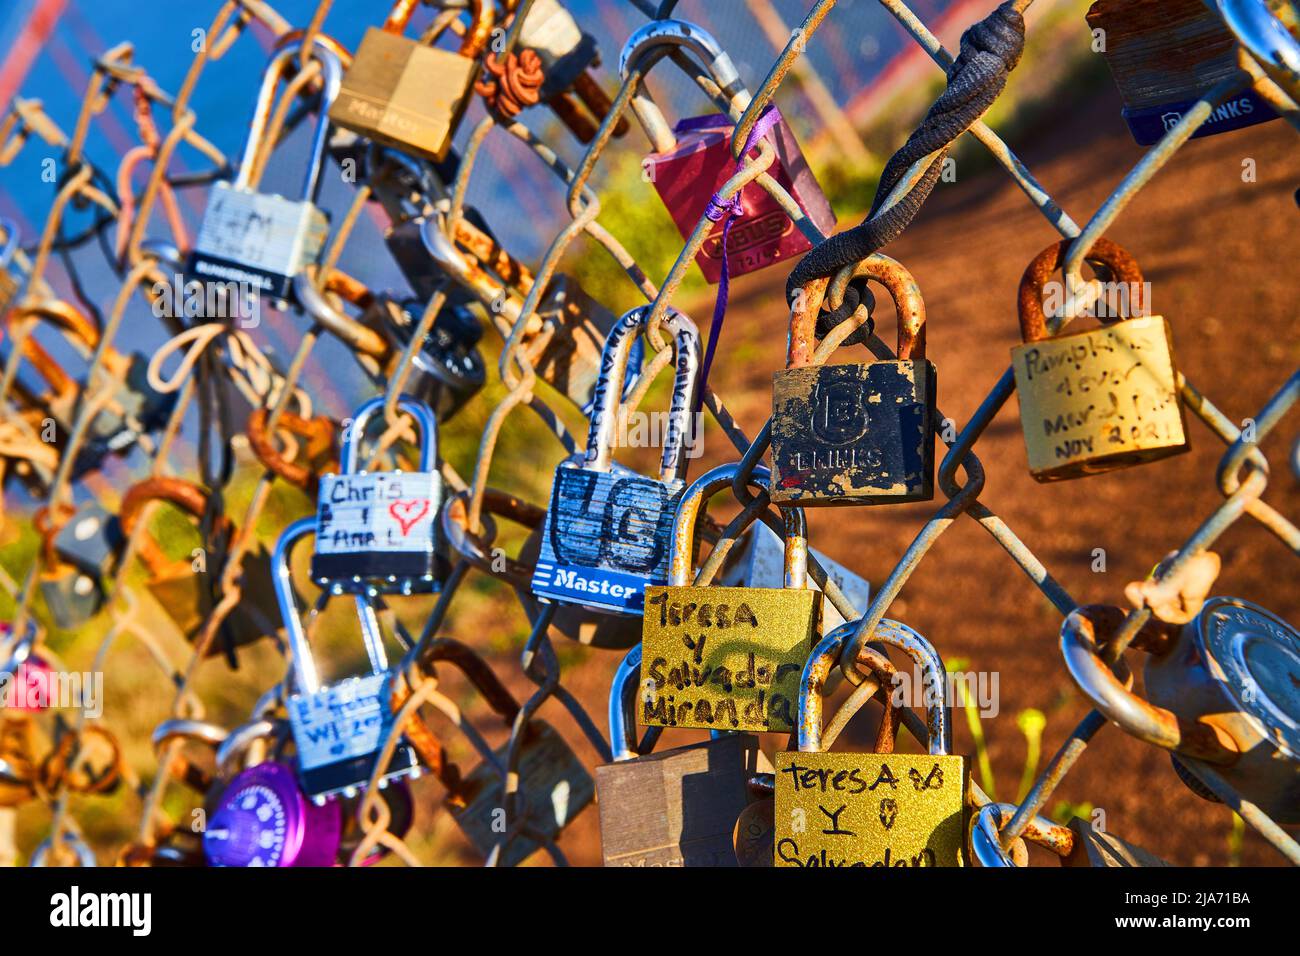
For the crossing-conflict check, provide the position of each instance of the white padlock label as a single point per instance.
(338, 722)
(379, 511)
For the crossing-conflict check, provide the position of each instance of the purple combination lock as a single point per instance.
(264, 819)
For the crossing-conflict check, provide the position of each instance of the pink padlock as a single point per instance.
(24, 677)
(692, 161)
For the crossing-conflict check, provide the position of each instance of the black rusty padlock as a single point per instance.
(856, 434)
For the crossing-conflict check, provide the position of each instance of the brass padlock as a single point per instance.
(856, 434)
(184, 587)
(882, 809)
(720, 658)
(1101, 399)
(675, 808)
(405, 94)
(553, 781)
(1223, 689)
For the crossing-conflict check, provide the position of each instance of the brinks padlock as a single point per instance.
(861, 433)
(1223, 694)
(718, 658)
(264, 819)
(692, 161)
(377, 531)
(882, 809)
(552, 785)
(259, 239)
(758, 561)
(337, 727)
(607, 531)
(10, 281)
(185, 587)
(407, 94)
(135, 409)
(674, 808)
(1100, 399)
(1166, 54)
(448, 368)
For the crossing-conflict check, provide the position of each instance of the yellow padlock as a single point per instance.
(1100, 399)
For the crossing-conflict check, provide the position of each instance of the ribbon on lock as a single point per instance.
(725, 211)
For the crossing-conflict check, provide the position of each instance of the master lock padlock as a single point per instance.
(338, 728)
(377, 531)
(1223, 693)
(262, 240)
(607, 532)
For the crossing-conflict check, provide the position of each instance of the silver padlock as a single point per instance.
(758, 561)
(1223, 689)
(608, 532)
(339, 727)
(377, 532)
(264, 240)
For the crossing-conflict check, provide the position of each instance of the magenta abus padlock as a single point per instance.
(692, 161)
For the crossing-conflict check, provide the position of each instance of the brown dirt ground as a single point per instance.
(1213, 248)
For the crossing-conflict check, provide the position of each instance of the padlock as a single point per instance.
(607, 532)
(553, 782)
(692, 162)
(90, 540)
(758, 561)
(406, 94)
(264, 819)
(448, 369)
(718, 658)
(71, 596)
(563, 342)
(339, 727)
(675, 808)
(568, 55)
(262, 240)
(1166, 54)
(1223, 694)
(856, 434)
(136, 409)
(10, 281)
(1100, 399)
(185, 592)
(1077, 844)
(377, 532)
(882, 809)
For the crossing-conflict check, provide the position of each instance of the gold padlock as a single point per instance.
(881, 809)
(717, 658)
(1101, 399)
(182, 586)
(405, 94)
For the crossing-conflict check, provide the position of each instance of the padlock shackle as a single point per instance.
(1135, 716)
(472, 548)
(183, 728)
(677, 36)
(934, 677)
(318, 431)
(482, 17)
(476, 671)
(985, 839)
(622, 706)
(281, 64)
(1266, 38)
(63, 315)
(607, 399)
(1029, 297)
(354, 334)
(902, 289)
(21, 649)
(355, 433)
(680, 565)
(302, 666)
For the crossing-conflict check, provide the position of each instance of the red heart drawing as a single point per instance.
(408, 513)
